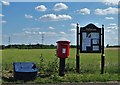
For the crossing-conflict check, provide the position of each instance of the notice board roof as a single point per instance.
(90, 27)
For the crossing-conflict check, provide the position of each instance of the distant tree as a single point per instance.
(107, 45)
(2, 46)
(73, 46)
(52, 45)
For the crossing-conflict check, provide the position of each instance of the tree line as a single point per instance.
(41, 46)
(31, 46)
(114, 46)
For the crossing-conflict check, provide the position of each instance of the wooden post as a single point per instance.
(62, 67)
(103, 55)
(77, 52)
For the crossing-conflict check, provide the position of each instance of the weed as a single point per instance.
(52, 67)
(41, 64)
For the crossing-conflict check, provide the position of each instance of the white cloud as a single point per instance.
(62, 33)
(41, 33)
(109, 18)
(53, 17)
(73, 25)
(1, 15)
(19, 34)
(47, 34)
(112, 26)
(85, 11)
(51, 33)
(30, 33)
(110, 2)
(5, 3)
(60, 6)
(73, 30)
(34, 33)
(106, 11)
(108, 31)
(28, 16)
(52, 28)
(31, 29)
(41, 8)
(27, 32)
(37, 33)
(3, 21)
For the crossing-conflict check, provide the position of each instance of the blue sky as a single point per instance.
(25, 22)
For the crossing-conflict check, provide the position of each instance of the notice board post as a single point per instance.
(77, 52)
(103, 55)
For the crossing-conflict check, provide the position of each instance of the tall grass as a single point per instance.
(88, 62)
(48, 63)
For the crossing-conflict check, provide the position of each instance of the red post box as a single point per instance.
(63, 48)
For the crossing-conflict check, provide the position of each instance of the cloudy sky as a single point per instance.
(25, 22)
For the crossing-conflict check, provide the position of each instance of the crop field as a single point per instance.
(48, 65)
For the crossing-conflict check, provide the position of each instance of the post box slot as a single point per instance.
(64, 44)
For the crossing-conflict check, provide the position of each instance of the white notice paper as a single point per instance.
(88, 41)
(95, 48)
(95, 41)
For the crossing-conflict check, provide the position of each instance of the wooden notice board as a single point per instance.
(90, 39)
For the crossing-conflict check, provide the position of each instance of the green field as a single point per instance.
(48, 65)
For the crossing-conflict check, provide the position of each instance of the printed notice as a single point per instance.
(95, 41)
(84, 35)
(84, 47)
(95, 48)
(88, 41)
(95, 35)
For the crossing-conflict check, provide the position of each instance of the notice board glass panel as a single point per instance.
(90, 39)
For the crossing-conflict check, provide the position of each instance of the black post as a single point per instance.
(62, 67)
(103, 55)
(77, 52)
